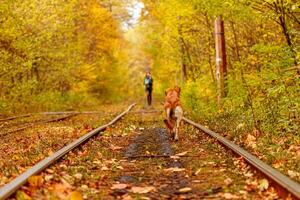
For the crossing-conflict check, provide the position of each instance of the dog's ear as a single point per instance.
(166, 91)
(178, 90)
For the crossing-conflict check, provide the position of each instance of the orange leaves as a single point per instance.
(76, 196)
(35, 181)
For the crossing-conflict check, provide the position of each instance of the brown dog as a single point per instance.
(173, 109)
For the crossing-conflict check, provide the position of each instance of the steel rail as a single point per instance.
(283, 181)
(49, 113)
(31, 124)
(15, 117)
(16, 183)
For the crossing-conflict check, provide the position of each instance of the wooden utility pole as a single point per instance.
(221, 64)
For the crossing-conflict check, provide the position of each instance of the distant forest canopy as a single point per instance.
(54, 54)
(70, 55)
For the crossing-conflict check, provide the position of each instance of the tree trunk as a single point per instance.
(210, 46)
(221, 64)
(183, 57)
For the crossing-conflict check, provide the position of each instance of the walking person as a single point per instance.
(148, 82)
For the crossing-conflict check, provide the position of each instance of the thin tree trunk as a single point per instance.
(211, 44)
(183, 59)
(221, 64)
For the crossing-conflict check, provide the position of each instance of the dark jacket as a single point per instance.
(148, 82)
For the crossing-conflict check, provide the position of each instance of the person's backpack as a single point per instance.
(148, 82)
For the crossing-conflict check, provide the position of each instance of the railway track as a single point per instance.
(138, 154)
(16, 183)
(34, 123)
(284, 184)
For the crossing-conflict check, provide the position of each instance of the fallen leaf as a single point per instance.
(293, 174)
(142, 190)
(197, 172)
(127, 197)
(175, 169)
(229, 196)
(184, 190)
(50, 171)
(240, 126)
(61, 190)
(115, 148)
(97, 162)
(182, 153)
(48, 177)
(50, 153)
(22, 195)
(228, 181)
(119, 186)
(263, 184)
(251, 141)
(174, 157)
(78, 176)
(120, 167)
(85, 187)
(35, 181)
(104, 168)
(75, 195)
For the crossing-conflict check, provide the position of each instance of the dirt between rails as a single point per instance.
(135, 159)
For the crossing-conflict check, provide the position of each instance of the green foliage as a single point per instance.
(200, 101)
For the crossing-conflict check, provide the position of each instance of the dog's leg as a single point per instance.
(168, 120)
(178, 115)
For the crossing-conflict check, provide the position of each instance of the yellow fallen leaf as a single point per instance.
(35, 181)
(50, 153)
(182, 153)
(142, 190)
(197, 172)
(184, 190)
(22, 195)
(174, 169)
(15, 157)
(75, 195)
(263, 184)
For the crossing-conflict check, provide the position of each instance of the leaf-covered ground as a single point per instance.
(135, 159)
(21, 150)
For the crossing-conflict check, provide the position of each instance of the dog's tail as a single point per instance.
(168, 124)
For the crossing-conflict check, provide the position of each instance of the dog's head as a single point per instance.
(167, 91)
(176, 89)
